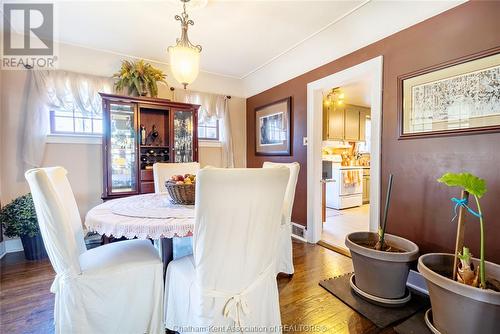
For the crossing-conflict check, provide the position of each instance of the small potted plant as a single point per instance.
(19, 220)
(464, 291)
(138, 78)
(382, 262)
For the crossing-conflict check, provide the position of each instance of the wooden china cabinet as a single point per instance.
(139, 131)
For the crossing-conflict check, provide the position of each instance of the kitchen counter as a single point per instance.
(351, 167)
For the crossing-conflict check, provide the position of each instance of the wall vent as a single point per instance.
(299, 232)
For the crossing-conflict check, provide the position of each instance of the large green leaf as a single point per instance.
(470, 183)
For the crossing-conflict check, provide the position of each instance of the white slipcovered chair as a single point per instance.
(116, 288)
(162, 171)
(230, 280)
(285, 256)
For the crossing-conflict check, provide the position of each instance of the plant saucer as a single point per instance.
(379, 300)
(428, 322)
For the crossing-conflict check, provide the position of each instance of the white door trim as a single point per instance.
(373, 68)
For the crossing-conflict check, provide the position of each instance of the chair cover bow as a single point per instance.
(60, 279)
(236, 304)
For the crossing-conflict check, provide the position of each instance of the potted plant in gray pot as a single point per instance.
(381, 262)
(19, 220)
(464, 291)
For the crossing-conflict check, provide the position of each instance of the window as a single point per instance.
(73, 121)
(74, 104)
(208, 129)
(365, 147)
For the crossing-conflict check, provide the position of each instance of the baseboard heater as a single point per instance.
(417, 282)
(299, 232)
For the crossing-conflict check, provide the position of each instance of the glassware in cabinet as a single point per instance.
(122, 148)
(184, 144)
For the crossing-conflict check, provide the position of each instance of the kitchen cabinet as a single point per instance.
(333, 123)
(344, 123)
(351, 125)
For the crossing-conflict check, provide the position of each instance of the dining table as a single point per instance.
(148, 216)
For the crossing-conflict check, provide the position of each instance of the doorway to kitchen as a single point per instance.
(343, 165)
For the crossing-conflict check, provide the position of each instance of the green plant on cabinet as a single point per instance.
(139, 78)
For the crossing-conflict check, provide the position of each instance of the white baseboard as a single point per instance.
(298, 238)
(11, 246)
(2, 249)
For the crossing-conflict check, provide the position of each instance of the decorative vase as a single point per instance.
(34, 248)
(456, 307)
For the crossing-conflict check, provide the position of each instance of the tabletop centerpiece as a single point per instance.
(182, 188)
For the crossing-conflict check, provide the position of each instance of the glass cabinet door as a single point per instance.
(122, 153)
(183, 136)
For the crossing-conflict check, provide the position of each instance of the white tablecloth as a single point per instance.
(142, 216)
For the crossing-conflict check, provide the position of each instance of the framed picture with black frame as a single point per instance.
(272, 128)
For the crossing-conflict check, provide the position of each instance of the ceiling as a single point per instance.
(237, 36)
(358, 92)
(262, 42)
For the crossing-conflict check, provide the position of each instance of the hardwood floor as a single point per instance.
(26, 304)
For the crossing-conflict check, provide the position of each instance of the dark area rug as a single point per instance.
(379, 315)
(414, 325)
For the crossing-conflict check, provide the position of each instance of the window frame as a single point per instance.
(217, 128)
(74, 117)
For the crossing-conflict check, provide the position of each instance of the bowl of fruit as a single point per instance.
(181, 188)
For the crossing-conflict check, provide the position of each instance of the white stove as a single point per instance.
(347, 190)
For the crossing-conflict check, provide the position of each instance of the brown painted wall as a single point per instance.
(420, 209)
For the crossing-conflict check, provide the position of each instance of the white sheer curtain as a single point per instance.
(213, 105)
(59, 90)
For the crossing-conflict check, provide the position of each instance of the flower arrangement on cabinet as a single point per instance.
(139, 78)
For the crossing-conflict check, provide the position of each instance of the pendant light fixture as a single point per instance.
(184, 56)
(335, 96)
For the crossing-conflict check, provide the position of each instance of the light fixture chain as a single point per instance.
(185, 22)
(184, 56)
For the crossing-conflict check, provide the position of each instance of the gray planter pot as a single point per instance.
(458, 308)
(382, 274)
